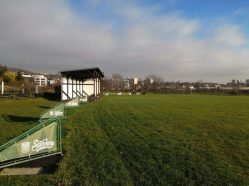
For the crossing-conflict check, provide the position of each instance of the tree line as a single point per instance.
(10, 78)
(116, 82)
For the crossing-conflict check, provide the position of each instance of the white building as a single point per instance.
(27, 76)
(127, 83)
(81, 83)
(135, 81)
(151, 80)
(41, 80)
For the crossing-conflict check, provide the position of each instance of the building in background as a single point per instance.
(40, 80)
(247, 82)
(127, 83)
(151, 80)
(233, 82)
(27, 75)
(133, 81)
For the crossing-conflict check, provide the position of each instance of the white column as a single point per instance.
(64, 88)
(77, 87)
(80, 87)
(99, 87)
(77, 82)
(70, 88)
(74, 88)
(95, 88)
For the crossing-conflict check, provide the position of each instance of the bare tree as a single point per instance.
(113, 83)
(152, 82)
(117, 76)
(153, 78)
(106, 84)
(117, 82)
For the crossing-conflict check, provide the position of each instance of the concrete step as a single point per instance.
(21, 171)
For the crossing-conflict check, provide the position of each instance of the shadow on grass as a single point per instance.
(52, 96)
(43, 107)
(13, 118)
(64, 132)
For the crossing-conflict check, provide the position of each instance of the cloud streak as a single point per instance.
(50, 36)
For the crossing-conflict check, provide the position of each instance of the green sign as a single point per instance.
(55, 112)
(72, 103)
(45, 138)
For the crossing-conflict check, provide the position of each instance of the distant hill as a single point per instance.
(13, 69)
(24, 71)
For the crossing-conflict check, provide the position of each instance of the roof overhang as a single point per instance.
(87, 73)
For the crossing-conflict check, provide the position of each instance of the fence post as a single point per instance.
(2, 90)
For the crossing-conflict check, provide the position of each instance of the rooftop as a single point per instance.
(80, 74)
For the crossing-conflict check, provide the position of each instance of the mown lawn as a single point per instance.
(154, 140)
(17, 116)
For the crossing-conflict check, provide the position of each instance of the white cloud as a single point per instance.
(49, 36)
(241, 11)
(229, 35)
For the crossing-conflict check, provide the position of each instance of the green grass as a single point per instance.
(20, 115)
(152, 140)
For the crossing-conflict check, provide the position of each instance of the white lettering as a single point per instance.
(56, 113)
(44, 144)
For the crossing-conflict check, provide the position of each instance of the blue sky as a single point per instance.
(236, 11)
(209, 13)
(187, 40)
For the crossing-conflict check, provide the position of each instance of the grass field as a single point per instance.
(145, 140)
(20, 115)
